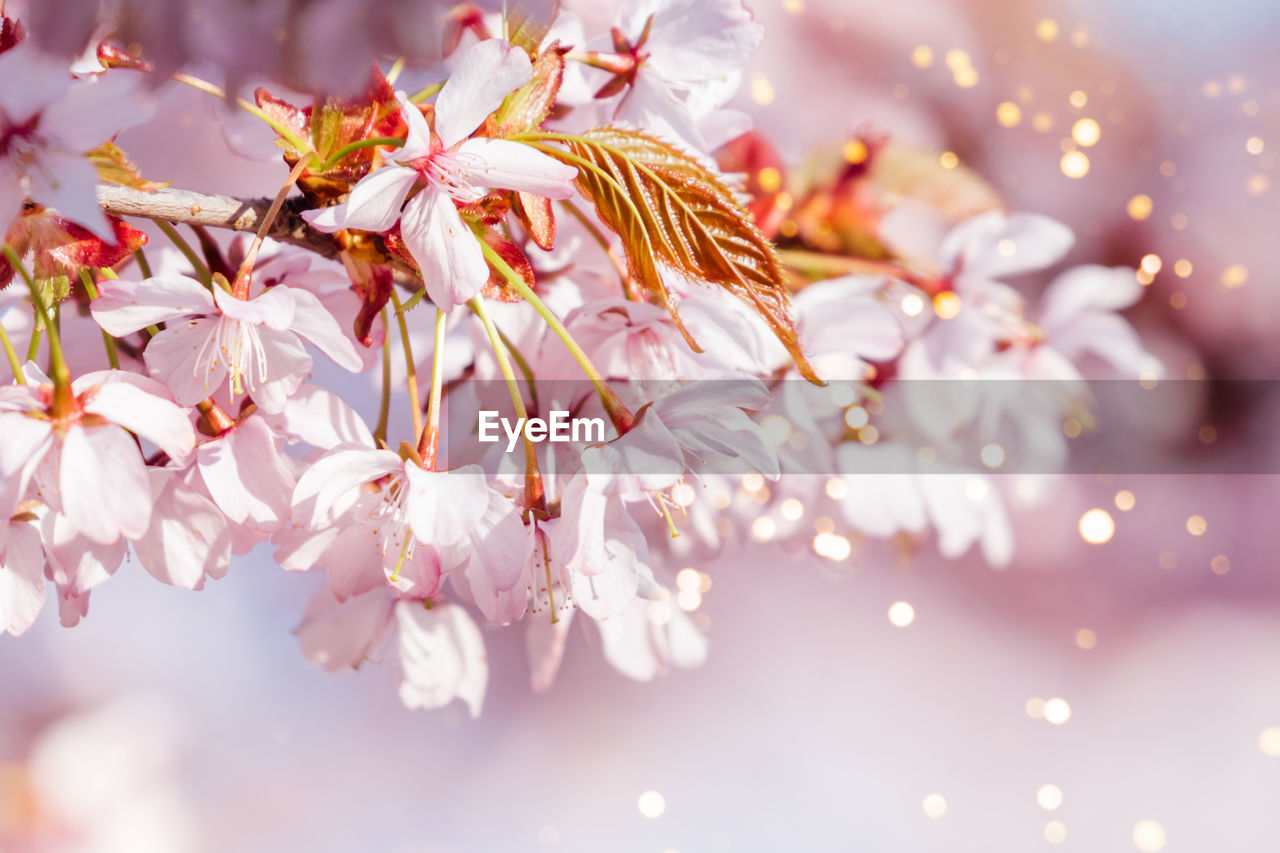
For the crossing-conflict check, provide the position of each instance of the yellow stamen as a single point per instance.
(404, 549)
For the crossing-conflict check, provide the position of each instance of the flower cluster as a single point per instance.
(577, 220)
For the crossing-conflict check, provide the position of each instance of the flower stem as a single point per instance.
(240, 288)
(534, 496)
(393, 73)
(12, 355)
(415, 401)
(384, 404)
(202, 271)
(429, 444)
(62, 397)
(33, 348)
(341, 154)
(618, 413)
(143, 266)
(546, 562)
(90, 288)
(426, 92)
(284, 130)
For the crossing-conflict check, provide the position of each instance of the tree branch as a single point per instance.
(216, 211)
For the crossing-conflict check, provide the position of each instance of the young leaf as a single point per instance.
(669, 209)
(115, 167)
(528, 106)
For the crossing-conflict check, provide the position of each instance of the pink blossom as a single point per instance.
(84, 463)
(600, 552)
(367, 515)
(695, 423)
(974, 257)
(76, 564)
(963, 506)
(1079, 319)
(843, 328)
(442, 657)
(188, 538)
(693, 47)
(439, 650)
(451, 168)
(246, 475)
(47, 123)
(634, 340)
(255, 345)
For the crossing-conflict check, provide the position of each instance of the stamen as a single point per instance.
(546, 559)
(404, 549)
(666, 513)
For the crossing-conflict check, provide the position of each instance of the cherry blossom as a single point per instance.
(370, 516)
(254, 345)
(217, 430)
(1078, 317)
(599, 549)
(696, 423)
(82, 461)
(684, 53)
(47, 123)
(439, 651)
(453, 169)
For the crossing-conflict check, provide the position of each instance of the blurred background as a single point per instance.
(1116, 694)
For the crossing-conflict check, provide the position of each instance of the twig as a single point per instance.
(216, 211)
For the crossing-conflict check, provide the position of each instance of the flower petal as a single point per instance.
(105, 493)
(68, 183)
(445, 506)
(287, 366)
(452, 263)
(188, 536)
(313, 321)
(321, 419)
(442, 657)
(353, 562)
(505, 165)
(417, 141)
(374, 204)
(125, 306)
(995, 245)
(246, 477)
(22, 584)
(180, 357)
(273, 308)
(26, 441)
(76, 564)
(1084, 289)
(332, 484)
(485, 74)
(340, 635)
(499, 569)
(140, 404)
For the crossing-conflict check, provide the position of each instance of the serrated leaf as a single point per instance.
(669, 209)
(115, 167)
